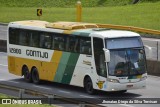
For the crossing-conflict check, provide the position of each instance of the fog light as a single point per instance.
(113, 89)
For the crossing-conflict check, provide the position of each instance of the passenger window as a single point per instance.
(58, 43)
(45, 41)
(13, 35)
(24, 38)
(85, 46)
(73, 44)
(34, 39)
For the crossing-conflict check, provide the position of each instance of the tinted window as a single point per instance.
(58, 42)
(34, 42)
(73, 44)
(117, 43)
(13, 35)
(24, 38)
(85, 46)
(45, 40)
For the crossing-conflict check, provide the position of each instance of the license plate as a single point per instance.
(129, 86)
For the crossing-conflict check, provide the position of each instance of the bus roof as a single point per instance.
(77, 28)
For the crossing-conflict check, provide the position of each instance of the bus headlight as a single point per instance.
(143, 78)
(113, 80)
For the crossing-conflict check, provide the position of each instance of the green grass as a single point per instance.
(23, 105)
(66, 3)
(4, 96)
(62, 3)
(144, 15)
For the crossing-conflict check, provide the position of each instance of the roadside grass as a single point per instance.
(22, 105)
(62, 3)
(144, 15)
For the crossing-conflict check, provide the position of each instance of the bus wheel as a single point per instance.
(27, 75)
(88, 86)
(35, 76)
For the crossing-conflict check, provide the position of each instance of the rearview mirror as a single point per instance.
(107, 55)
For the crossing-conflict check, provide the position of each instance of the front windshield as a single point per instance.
(127, 56)
(127, 62)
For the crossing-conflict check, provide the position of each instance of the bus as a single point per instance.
(76, 53)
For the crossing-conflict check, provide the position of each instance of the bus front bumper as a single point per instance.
(126, 86)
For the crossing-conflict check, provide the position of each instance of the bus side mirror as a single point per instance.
(107, 55)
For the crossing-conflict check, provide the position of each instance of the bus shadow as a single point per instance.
(75, 89)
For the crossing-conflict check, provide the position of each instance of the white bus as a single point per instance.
(79, 54)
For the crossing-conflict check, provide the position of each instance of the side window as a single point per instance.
(85, 46)
(58, 42)
(99, 57)
(73, 44)
(34, 39)
(13, 35)
(24, 38)
(45, 40)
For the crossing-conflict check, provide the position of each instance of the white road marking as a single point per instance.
(126, 105)
(148, 47)
(150, 39)
(3, 65)
(86, 96)
(154, 76)
(41, 87)
(13, 82)
(4, 30)
(64, 91)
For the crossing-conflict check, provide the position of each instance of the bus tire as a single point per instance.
(27, 75)
(35, 76)
(88, 85)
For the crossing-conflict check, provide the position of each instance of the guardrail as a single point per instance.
(132, 28)
(49, 97)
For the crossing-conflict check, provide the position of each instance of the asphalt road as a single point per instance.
(3, 32)
(152, 90)
(150, 43)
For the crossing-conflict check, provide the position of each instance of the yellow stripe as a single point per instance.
(55, 62)
(68, 31)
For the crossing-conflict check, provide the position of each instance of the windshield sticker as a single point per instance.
(136, 65)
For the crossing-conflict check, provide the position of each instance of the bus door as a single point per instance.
(100, 64)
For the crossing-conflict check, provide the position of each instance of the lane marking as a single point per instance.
(3, 65)
(126, 105)
(148, 47)
(86, 96)
(13, 82)
(64, 91)
(150, 39)
(4, 30)
(152, 76)
(41, 87)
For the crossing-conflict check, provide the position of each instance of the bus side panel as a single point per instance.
(11, 65)
(83, 67)
(72, 61)
(49, 69)
(61, 67)
(20, 62)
